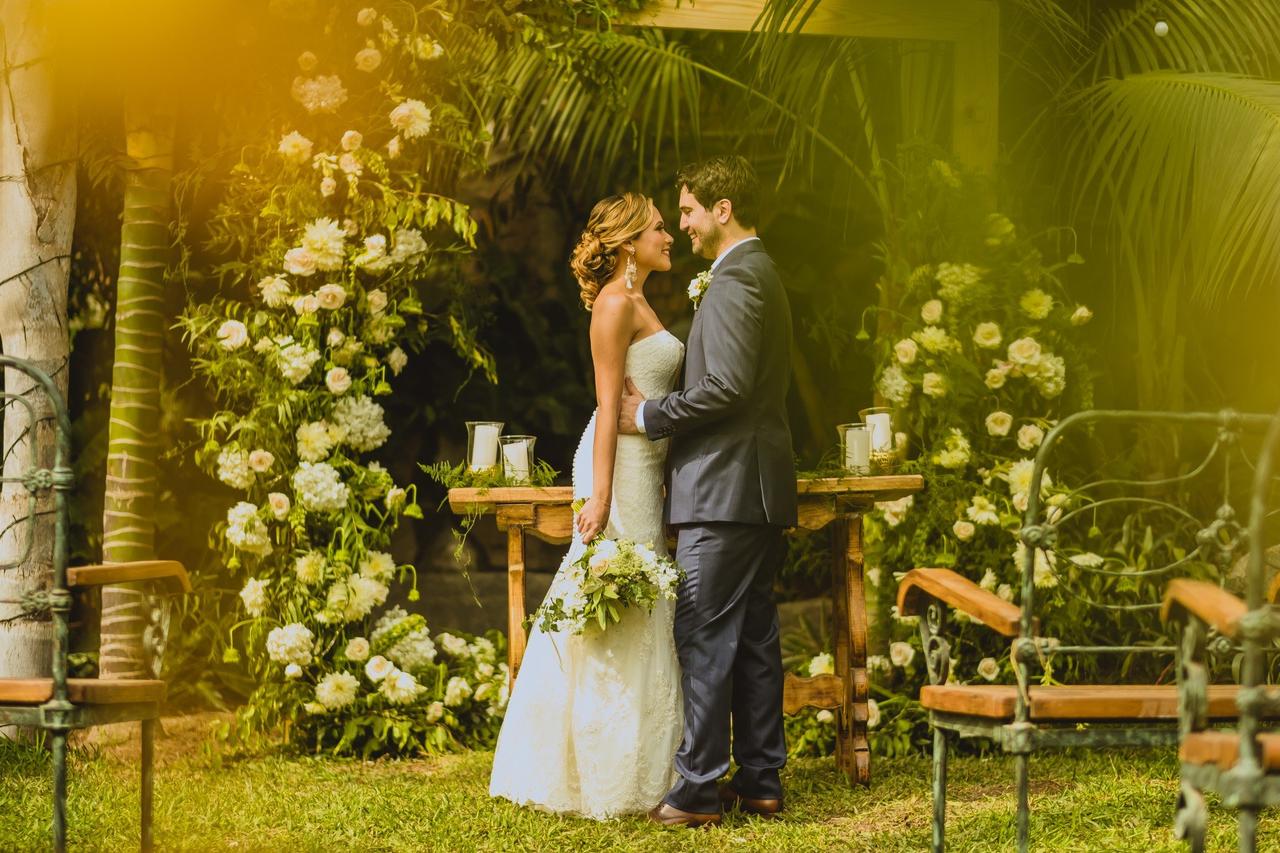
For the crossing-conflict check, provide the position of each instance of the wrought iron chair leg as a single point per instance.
(1191, 817)
(939, 790)
(1021, 762)
(59, 791)
(1248, 830)
(148, 780)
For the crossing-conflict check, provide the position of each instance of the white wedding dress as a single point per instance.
(594, 720)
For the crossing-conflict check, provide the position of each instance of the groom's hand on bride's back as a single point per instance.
(631, 401)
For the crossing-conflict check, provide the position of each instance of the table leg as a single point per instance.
(515, 599)
(849, 611)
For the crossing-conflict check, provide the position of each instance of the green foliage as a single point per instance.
(462, 476)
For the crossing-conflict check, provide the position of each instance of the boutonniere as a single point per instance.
(698, 286)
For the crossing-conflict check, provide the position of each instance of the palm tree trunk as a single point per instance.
(128, 524)
(37, 212)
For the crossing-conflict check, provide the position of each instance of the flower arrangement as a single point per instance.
(607, 578)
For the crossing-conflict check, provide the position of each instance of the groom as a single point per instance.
(732, 492)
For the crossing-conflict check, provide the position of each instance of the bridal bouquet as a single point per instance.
(611, 575)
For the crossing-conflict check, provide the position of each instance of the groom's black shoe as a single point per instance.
(731, 799)
(670, 816)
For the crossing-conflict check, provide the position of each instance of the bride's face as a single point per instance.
(653, 246)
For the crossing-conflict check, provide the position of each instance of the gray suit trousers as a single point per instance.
(726, 631)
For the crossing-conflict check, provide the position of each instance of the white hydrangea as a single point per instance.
(895, 512)
(309, 568)
(411, 118)
(319, 487)
(321, 94)
(483, 650)
(400, 688)
(246, 531)
(415, 651)
(894, 385)
(254, 596)
(337, 690)
(233, 468)
(378, 565)
(355, 597)
(296, 362)
(955, 279)
(362, 421)
(455, 646)
(290, 644)
(456, 691)
(822, 664)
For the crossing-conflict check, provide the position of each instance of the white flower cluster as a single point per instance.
(414, 651)
(309, 568)
(233, 468)
(399, 687)
(955, 280)
(291, 644)
(822, 664)
(1043, 574)
(337, 690)
(296, 361)
(246, 531)
(955, 452)
(254, 596)
(894, 385)
(360, 420)
(411, 118)
(323, 239)
(894, 512)
(353, 597)
(315, 440)
(1047, 372)
(319, 487)
(321, 94)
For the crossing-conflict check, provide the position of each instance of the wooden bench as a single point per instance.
(1241, 765)
(1026, 717)
(834, 504)
(59, 704)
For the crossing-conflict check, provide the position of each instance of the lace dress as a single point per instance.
(595, 720)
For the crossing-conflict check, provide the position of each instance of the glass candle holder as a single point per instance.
(517, 457)
(482, 444)
(855, 448)
(879, 421)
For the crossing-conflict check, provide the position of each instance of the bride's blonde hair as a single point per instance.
(613, 221)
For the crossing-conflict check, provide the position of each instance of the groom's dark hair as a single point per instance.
(728, 177)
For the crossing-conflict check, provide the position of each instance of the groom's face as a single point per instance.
(704, 230)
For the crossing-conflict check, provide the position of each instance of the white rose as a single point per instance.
(989, 669)
(337, 380)
(396, 360)
(931, 311)
(1030, 436)
(905, 350)
(934, 385)
(368, 59)
(1024, 351)
(823, 664)
(873, 713)
(999, 423)
(411, 118)
(366, 16)
(261, 460)
(987, 335)
(377, 301)
(351, 140)
(435, 711)
(298, 261)
(825, 717)
(292, 671)
(331, 297)
(393, 148)
(996, 376)
(901, 654)
(307, 60)
(328, 186)
(306, 304)
(350, 165)
(378, 668)
(1081, 316)
(963, 530)
(279, 503)
(335, 337)
(357, 649)
(232, 335)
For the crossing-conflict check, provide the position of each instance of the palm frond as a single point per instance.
(1189, 164)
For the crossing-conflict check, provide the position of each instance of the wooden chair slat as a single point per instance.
(82, 691)
(1217, 607)
(958, 592)
(169, 573)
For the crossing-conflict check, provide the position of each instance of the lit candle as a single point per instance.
(484, 446)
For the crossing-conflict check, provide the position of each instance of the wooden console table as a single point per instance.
(836, 504)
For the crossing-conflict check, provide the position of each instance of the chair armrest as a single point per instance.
(959, 593)
(168, 574)
(1217, 607)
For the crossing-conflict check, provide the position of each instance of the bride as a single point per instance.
(595, 719)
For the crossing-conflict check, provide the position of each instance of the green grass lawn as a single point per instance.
(1104, 800)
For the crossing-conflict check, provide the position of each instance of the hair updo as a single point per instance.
(613, 221)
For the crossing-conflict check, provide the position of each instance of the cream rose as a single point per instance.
(989, 669)
(934, 385)
(963, 530)
(298, 261)
(357, 649)
(378, 668)
(906, 351)
(377, 300)
(261, 460)
(1030, 436)
(232, 335)
(931, 311)
(331, 296)
(1081, 316)
(999, 423)
(368, 59)
(328, 186)
(1024, 351)
(279, 504)
(987, 335)
(351, 140)
(337, 380)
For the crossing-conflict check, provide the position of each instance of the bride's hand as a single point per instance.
(592, 519)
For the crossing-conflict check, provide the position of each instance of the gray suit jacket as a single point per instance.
(731, 458)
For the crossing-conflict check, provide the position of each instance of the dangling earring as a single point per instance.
(630, 274)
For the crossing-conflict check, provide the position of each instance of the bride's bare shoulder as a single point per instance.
(612, 309)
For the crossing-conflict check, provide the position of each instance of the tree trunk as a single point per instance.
(37, 212)
(128, 525)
